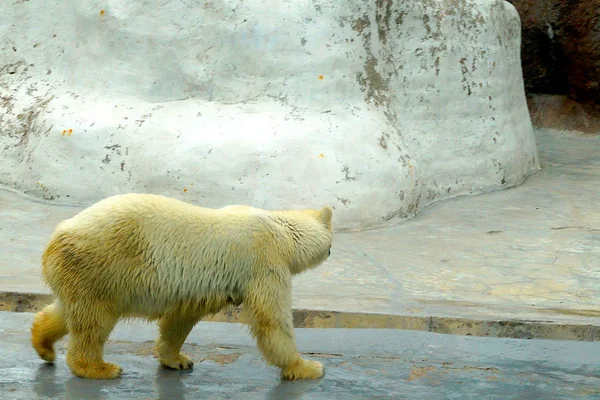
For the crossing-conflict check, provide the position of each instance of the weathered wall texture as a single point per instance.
(378, 108)
(561, 58)
(561, 47)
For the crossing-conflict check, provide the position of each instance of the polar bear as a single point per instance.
(149, 256)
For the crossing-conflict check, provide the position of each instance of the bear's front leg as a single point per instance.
(269, 308)
(174, 329)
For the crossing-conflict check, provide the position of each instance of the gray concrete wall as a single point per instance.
(377, 108)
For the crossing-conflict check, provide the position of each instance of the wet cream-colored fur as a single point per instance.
(153, 257)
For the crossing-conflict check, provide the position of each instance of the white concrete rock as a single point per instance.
(378, 108)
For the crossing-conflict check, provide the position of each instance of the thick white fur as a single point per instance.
(158, 258)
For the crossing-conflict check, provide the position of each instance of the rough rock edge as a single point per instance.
(517, 329)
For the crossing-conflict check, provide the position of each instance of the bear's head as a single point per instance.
(313, 234)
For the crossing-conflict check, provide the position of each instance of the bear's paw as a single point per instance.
(96, 370)
(303, 369)
(182, 361)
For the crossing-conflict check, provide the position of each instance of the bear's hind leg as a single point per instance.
(89, 328)
(269, 307)
(174, 329)
(47, 328)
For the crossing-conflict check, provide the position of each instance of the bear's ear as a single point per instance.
(325, 215)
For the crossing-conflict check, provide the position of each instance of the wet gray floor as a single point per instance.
(361, 364)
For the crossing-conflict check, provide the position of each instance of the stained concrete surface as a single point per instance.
(360, 364)
(378, 108)
(531, 253)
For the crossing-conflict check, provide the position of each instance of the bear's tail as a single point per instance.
(48, 327)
